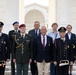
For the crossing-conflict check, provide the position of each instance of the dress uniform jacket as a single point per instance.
(43, 53)
(63, 50)
(22, 48)
(74, 48)
(4, 47)
(11, 37)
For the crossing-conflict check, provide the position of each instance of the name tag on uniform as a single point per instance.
(64, 63)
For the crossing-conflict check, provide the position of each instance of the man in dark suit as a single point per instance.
(63, 55)
(34, 33)
(43, 52)
(4, 49)
(70, 37)
(22, 54)
(11, 36)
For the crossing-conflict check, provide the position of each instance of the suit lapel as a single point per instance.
(67, 37)
(47, 41)
(71, 36)
(40, 41)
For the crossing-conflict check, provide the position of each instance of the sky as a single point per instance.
(41, 2)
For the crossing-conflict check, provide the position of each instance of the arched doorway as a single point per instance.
(32, 16)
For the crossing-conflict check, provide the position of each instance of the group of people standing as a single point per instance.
(53, 51)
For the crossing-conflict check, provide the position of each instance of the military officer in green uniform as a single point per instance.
(22, 54)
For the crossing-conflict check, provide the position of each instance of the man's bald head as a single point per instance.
(43, 30)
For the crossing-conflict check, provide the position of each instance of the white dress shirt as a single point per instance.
(37, 31)
(0, 34)
(45, 39)
(69, 35)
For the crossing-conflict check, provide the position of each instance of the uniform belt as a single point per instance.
(64, 63)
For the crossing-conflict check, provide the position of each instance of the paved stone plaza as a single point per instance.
(8, 69)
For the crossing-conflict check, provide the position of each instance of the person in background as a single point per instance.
(11, 37)
(4, 49)
(54, 34)
(70, 37)
(43, 52)
(34, 33)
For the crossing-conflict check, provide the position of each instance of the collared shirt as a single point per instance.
(63, 39)
(23, 35)
(16, 31)
(0, 33)
(69, 36)
(45, 39)
(37, 31)
(51, 34)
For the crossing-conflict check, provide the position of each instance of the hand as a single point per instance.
(35, 61)
(14, 60)
(30, 60)
(8, 60)
(55, 63)
(71, 63)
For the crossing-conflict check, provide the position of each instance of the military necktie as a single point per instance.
(23, 36)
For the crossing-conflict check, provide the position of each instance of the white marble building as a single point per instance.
(61, 11)
(35, 12)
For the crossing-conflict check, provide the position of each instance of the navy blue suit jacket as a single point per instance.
(41, 53)
(72, 37)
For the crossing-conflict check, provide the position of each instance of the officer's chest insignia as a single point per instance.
(4, 42)
(73, 46)
(68, 46)
(48, 44)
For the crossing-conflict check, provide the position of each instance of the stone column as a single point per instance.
(21, 11)
(52, 12)
(63, 12)
(10, 11)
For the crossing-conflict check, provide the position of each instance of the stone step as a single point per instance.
(8, 69)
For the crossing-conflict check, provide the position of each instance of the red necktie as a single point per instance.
(43, 41)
